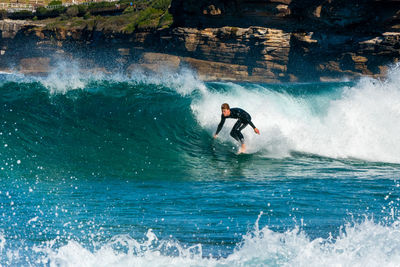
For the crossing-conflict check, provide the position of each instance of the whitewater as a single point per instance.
(122, 170)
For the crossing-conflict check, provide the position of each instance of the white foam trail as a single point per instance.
(362, 121)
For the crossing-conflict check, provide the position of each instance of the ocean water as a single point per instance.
(122, 170)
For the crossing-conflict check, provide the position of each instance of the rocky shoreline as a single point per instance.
(254, 41)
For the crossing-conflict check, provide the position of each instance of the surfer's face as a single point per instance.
(226, 112)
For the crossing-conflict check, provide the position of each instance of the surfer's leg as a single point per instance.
(244, 124)
(239, 134)
(241, 138)
(235, 133)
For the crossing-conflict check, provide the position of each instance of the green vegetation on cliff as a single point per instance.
(124, 16)
(150, 18)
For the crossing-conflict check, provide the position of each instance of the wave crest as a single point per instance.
(342, 120)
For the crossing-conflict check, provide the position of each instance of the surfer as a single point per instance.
(244, 119)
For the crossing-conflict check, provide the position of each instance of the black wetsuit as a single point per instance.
(243, 117)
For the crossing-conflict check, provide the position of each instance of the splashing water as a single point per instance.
(360, 121)
(122, 169)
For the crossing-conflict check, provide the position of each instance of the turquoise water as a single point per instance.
(122, 170)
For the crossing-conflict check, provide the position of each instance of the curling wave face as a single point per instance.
(339, 120)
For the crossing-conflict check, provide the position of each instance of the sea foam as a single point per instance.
(353, 121)
(358, 244)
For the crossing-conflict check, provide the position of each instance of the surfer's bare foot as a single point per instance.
(242, 149)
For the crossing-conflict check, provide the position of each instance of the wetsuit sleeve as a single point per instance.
(221, 123)
(251, 124)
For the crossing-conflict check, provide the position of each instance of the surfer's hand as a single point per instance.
(256, 131)
(215, 136)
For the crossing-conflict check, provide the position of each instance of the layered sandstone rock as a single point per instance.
(258, 41)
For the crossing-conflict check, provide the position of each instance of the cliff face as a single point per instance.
(260, 41)
(304, 40)
(290, 15)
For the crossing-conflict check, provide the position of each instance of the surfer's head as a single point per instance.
(225, 109)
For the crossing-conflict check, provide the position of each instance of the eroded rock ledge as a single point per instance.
(257, 41)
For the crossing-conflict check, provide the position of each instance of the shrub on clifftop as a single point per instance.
(55, 3)
(161, 4)
(72, 11)
(42, 12)
(153, 17)
(23, 14)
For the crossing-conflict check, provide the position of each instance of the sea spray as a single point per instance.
(361, 244)
(358, 244)
(350, 121)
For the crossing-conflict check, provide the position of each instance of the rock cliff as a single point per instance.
(242, 40)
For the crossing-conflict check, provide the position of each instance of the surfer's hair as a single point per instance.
(225, 106)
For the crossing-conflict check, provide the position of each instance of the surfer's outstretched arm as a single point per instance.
(254, 127)
(221, 123)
